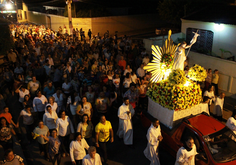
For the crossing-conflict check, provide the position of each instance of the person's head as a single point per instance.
(92, 152)
(216, 71)
(9, 155)
(78, 136)
(132, 87)
(126, 100)
(58, 91)
(34, 79)
(128, 75)
(102, 94)
(3, 121)
(27, 108)
(85, 118)
(84, 99)
(206, 99)
(210, 88)
(49, 84)
(189, 142)
(183, 44)
(49, 108)
(209, 70)
(90, 89)
(51, 100)
(103, 119)
(26, 98)
(40, 124)
(6, 109)
(128, 66)
(38, 93)
(62, 114)
(222, 95)
(156, 123)
(54, 133)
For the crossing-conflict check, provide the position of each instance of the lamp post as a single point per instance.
(68, 2)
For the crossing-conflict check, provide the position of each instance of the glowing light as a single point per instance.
(8, 6)
(156, 67)
(187, 84)
(219, 27)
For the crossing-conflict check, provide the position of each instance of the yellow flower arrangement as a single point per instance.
(197, 73)
(177, 77)
(175, 97)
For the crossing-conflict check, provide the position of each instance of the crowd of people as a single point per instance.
(69, 85)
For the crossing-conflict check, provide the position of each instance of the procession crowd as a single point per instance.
(69, 85)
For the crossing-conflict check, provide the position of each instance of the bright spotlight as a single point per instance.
(8, 6)
(187, 83)
(219, 27)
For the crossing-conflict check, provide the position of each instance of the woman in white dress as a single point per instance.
(186, 154)
(210, 93)
(50, 118)
(180, 56)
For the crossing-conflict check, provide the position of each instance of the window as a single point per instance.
(204, 41)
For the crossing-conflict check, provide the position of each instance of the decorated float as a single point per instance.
(173, 94)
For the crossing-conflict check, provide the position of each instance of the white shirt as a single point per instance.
(58, 100)
(22, 95)
(66, 87)
(153, 134)
(54, 107)
(64, 127)
(134, 78)
(87, 160)
(74, 105)
(218, 108)
(39, 103)
(140, 72)
(211, 95)
(50, 60)
(231, 123)
(50, 119)
(183, 156)
(77, 149)
(27, 117)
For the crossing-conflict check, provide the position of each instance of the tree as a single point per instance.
(173, 10)
(6, 40)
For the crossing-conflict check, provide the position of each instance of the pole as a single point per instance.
(69, 16)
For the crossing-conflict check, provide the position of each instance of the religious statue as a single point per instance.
(180, 56)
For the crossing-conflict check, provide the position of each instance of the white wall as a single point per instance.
(227, 70)
(225, 39)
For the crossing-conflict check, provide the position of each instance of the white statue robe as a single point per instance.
(125, 129)
(218, 108)
(179, 59)
(151, 151)
(183, 156)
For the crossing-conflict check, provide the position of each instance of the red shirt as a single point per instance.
(8, 116)
(122, 64)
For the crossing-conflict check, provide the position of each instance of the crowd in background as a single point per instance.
(65, 83)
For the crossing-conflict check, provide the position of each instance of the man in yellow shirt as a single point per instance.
(103, 133)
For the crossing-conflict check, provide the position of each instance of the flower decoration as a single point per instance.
(175, 97)
(177, 77)
(197, 73)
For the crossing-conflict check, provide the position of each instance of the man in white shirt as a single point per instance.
(77, 149)
(39, 104)
(125, 114)
(154, 137)
(22, 92)
(141, 71)
(34, 85)
(92, 158)
(218, 108)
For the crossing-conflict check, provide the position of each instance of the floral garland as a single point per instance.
(175, 97)
(167, 61)
(197, 73)
(177, 77)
